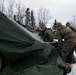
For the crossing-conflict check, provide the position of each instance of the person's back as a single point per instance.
(67, 33)
(49, 35)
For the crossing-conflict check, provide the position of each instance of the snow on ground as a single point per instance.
(73, 71)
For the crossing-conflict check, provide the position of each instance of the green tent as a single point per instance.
(25, 53)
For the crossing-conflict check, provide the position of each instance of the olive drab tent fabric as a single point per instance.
(25, 53)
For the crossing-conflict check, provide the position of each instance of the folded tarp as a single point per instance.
(25, 53)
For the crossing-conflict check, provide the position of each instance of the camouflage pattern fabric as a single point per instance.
(49, 35)
(69, 45)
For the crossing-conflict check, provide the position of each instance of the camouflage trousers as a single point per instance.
(67, 51)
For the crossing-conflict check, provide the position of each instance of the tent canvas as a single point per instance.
(25, 53)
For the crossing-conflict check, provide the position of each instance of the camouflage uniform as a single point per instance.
(69, 44)
(48, 35)
(68, 25)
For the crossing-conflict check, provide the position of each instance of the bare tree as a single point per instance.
(2, 8)
(20, 12)
(10, 10)
(44, 15)
(73, 22)
(28, 17)
(54, 25)
(32, 20)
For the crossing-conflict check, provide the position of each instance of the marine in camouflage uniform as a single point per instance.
(69, 37)
(49, 35)
(69, 25)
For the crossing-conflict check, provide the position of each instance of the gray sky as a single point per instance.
(62, 10)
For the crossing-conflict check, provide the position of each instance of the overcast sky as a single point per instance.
(62, 10)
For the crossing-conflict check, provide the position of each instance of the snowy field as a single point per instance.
(73, 71)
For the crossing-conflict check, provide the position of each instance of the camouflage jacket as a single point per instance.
(65, 33)
(49, 35)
